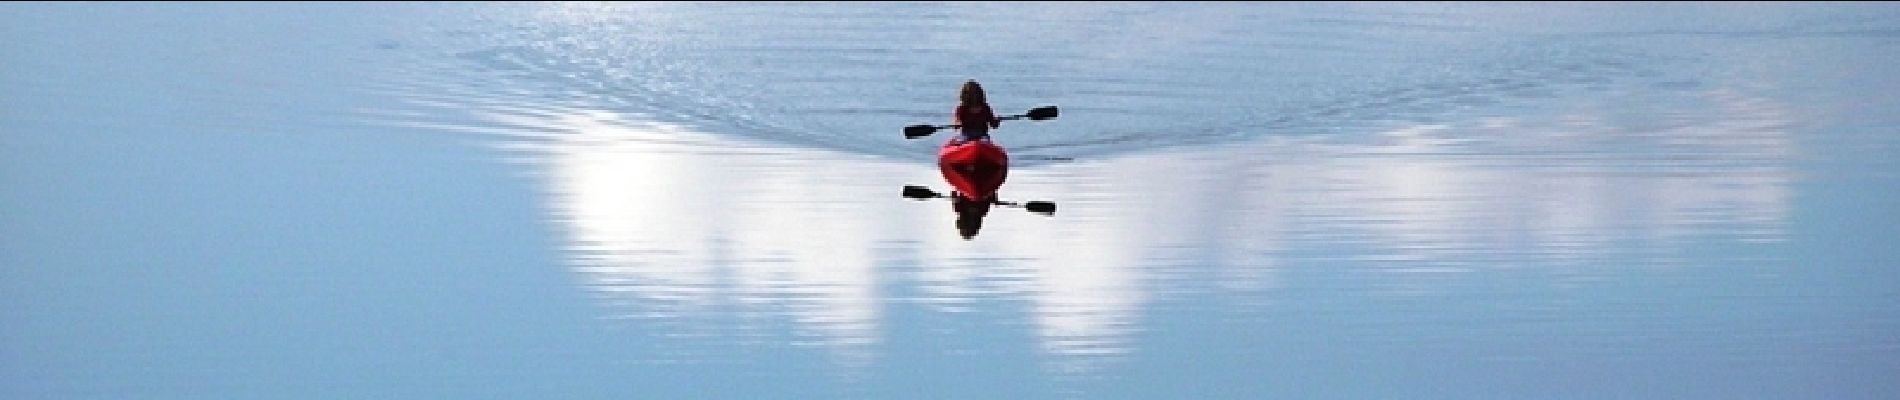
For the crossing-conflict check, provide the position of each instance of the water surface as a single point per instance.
(701, 200)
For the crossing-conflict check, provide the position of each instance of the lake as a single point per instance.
(703, 200)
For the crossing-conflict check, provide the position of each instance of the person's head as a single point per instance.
(972, 93)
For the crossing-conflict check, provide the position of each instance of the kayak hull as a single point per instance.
(975, 168)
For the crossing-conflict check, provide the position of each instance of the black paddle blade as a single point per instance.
(919, 192)
(1041, 207)
(917, 131)
(1042, 113)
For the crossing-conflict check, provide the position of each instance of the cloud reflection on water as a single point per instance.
(671, 224)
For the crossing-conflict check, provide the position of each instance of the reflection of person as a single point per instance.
(973, 116)
(970, 215)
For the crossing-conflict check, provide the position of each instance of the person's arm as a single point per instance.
(994, 121)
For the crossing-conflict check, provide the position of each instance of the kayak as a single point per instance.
(975, 168)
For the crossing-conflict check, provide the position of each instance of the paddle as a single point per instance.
(1034, 114)
(922, 193)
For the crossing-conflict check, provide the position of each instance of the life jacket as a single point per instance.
(975, 121)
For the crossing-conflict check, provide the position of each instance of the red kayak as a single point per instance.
(976, 168)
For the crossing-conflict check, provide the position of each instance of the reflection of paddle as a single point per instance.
(1034, 114)
(1039, 207)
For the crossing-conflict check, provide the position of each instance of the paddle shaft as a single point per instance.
(919, 192)
(1008, 118)
(1037, 114)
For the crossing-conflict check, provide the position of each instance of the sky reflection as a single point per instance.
(665, 223)
(1359, 200)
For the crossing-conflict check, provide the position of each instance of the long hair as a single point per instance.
(972, 94)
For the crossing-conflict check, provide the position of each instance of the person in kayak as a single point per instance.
(973, 116)
(974, 120)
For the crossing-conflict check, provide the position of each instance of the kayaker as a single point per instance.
(973, 116)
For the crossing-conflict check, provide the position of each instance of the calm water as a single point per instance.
(701, 200)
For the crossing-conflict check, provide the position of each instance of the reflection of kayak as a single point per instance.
(976, 168)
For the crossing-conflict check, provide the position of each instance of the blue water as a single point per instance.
(701, 200)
